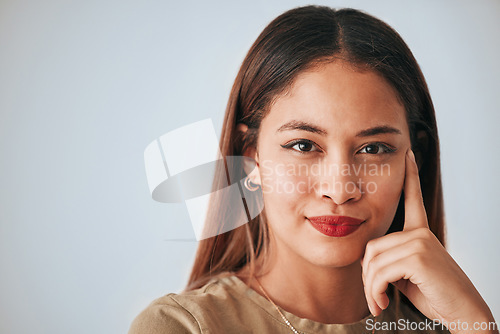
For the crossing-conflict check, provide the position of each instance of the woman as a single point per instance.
(336, 114)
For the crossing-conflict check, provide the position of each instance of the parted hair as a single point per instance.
(293, 42)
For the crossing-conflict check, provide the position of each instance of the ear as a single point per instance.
(251, 169)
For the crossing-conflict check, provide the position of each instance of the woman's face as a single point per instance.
(333, 145)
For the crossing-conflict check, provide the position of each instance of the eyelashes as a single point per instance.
(305, 146)
(384, 147)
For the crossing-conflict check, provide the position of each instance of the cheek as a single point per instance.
(383, 191)
(280, 182)
(283, 190)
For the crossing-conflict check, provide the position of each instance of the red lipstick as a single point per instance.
(335, 226)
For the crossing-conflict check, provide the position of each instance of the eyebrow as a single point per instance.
(305, 126)
(300, 125)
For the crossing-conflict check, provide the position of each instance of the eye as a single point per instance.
(377, 148)
(301, 145)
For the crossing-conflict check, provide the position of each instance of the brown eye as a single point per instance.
(377, 148)
(301, 146)
(304, 146)
(372, 149)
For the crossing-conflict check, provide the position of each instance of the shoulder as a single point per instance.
(187, 312)
(164, 315)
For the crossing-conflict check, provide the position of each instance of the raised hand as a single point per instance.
(420, 267)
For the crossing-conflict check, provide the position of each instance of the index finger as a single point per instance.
(415, 215)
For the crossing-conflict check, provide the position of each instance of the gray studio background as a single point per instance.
(85, 86)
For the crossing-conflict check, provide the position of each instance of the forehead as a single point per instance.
(341, 97)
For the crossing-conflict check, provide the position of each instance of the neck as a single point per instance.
(324, 294)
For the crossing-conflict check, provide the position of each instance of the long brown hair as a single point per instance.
(293, 42)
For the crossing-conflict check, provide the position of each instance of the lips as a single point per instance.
(335, 226)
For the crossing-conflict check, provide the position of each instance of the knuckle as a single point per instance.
(371, 244)
(417, 245)
(422, 232)
(370, 249)
(374, 263)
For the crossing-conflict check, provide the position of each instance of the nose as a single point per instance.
(340, 183)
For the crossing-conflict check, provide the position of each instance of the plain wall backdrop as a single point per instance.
(85, 86)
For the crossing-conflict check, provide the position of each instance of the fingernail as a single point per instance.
(371, 310)
(385, 302)
(411, 155)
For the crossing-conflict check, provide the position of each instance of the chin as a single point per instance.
(336, 257)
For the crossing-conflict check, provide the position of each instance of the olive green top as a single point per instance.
(228, 305)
